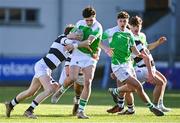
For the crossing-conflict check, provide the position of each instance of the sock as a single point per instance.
(116, 91)
(33, 106)
(156, 104)
(62, 89)
(161, 103)
(13, 102)
(130, 107)
(82, 104)
(77, 97)
(121, 102)
(149, 105)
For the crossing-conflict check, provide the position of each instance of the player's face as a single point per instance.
(90, 20)
(136, 29)
(122, 23)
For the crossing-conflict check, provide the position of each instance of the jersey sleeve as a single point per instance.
(143, 39)
(106, 35)
(97, 33)
(132, 40)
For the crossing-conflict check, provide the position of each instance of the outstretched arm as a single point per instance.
(155, 44)
(146, 59)
(107, 50)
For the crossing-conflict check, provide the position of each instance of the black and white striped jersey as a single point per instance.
(68, 60)
(139, 61)
(56, 53)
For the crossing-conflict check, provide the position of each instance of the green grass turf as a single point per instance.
(99, 102)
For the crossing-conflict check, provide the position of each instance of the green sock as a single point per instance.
(63, 89)
(82, 104)
(149, 105)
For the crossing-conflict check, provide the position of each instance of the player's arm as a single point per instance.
(146, 59)
(155, 44)
(96, 34)
(105, 36)
(109, 51)
(147, 62)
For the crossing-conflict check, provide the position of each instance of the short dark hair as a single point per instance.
(122, 15)
(135, 21)
(68, 29)
(88, 12)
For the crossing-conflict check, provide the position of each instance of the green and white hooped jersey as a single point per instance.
(141, 44)
(120, 41)
(95, 30)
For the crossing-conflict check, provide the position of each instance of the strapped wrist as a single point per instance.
(75, 45)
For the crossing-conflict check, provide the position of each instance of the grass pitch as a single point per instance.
(99, 102)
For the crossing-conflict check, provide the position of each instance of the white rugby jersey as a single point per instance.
(139, 61)
(56, 53)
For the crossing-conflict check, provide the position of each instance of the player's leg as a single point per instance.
(88, 75)
(68, 81)
(34, 87)
(142, 94)
(63, 86)
(130, 103)
(78, 90)
(45, 81)
(161, 104)
(133, 82)
(119, 100)
(157, 89)
(121, 97)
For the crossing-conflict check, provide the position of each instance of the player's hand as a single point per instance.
(109, 51)
(113, 76)
(141, 55)
(85, 44)
(162, 39)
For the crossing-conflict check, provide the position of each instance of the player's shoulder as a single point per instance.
(112, 30)
(129, 32)
(80, 22)
(98, 24)
(142, 34)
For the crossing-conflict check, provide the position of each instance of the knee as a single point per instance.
(139, 87)
(165, 82)
(73, 78)
(87, 84)
(160, 83)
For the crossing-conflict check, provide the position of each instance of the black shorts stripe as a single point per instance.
(68, 59)
(49, 63)
(71, 51)
(57, 53)
(141, 50)
(58, 40)
(137, 59)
